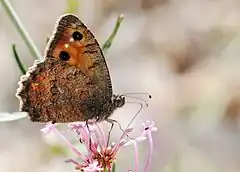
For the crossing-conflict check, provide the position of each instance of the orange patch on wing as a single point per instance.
(40, 84)
(76, 51)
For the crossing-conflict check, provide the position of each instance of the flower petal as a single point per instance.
(92, 167)
(149, 125)
(48, 128)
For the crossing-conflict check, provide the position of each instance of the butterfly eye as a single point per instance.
(63, 55)
(77, 36)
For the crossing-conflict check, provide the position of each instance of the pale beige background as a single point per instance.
(185, 53)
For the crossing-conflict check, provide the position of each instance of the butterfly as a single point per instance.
(72, 82)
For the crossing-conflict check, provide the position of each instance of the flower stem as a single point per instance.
(72, 6)
(146, 169)
(69, 144)
(135, 156)
(114, 167)
(20, 65)
(109, 41)
(25, 36)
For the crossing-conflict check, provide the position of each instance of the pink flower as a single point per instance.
(101, 155)
(149, 127)
(49, 127)
(92, 167)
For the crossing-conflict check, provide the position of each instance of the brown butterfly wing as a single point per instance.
(75, 89)
(85, 54)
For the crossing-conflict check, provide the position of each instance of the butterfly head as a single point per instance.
(118, 101)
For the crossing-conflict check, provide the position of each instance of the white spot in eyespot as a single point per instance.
(66, 45)
(60, 90)
(71, 40)
(74, 26)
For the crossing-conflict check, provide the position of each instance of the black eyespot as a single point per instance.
(77, 36)
(64, 56)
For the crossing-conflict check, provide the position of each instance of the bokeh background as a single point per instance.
(185, 53)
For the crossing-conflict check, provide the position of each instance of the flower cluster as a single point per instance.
(100, 155)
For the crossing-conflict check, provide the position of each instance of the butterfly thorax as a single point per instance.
(117, 101)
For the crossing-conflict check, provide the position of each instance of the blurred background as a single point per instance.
(185, 53)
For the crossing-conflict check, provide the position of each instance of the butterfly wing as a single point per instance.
(72, 38)
(73, 82)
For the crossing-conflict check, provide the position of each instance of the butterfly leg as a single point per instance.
(112, 121)
(54, 122)
(90, 140)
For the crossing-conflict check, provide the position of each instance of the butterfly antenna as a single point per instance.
(143, 94)
(129, 95)
(135, 116)
(138, 98)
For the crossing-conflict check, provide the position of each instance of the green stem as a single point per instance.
(25, 36)
(109, 41)
(72, 6)
(114, 167)
(20, 65)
